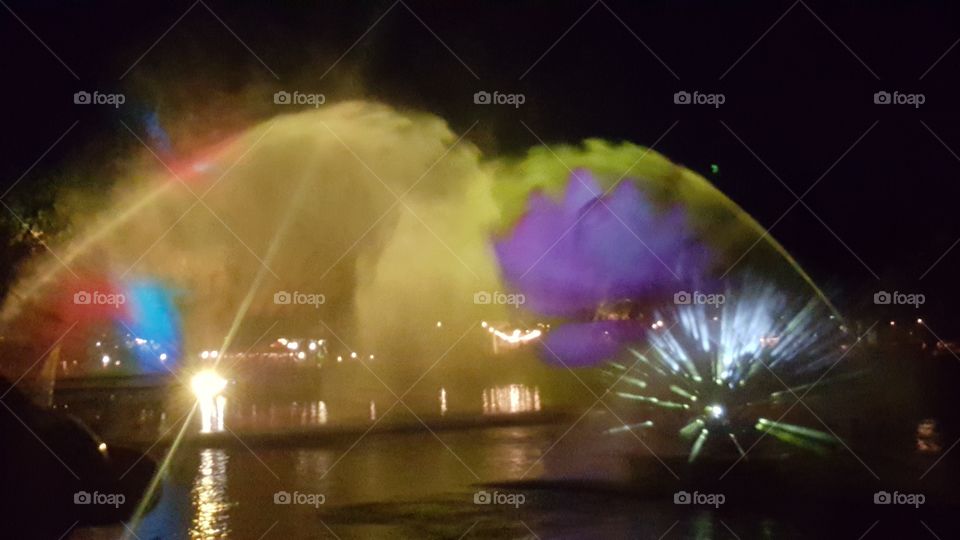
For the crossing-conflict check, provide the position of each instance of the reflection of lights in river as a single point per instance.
(212, 412)
(322, 412)
(208, 387)
(310, 414)
(443, 401)
(209, 496)
(373, 410)
(512, 398)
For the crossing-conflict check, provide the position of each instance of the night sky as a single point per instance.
(798, 78)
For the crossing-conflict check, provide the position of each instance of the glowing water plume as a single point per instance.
(275, 242)
(720, 366)
(386, 214)
(25, 292)
(738, 243)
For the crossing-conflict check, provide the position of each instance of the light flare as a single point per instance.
(753, 351)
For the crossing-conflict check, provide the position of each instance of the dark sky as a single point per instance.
(799, 81)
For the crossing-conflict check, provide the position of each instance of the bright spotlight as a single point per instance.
(207, 384)
(715, 411)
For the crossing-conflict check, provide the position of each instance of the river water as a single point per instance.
(508, 468)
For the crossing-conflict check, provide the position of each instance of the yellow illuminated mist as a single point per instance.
(388, 216)
(385, 216)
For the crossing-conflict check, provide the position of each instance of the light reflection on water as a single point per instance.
(212, 413)
(255, 417)
(211, 519)
(409, 467)
(215, 413)
(144, 417)
(510, 399)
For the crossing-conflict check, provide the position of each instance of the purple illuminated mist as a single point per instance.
(571, 256)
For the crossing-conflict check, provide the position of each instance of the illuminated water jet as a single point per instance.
(738, 363)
